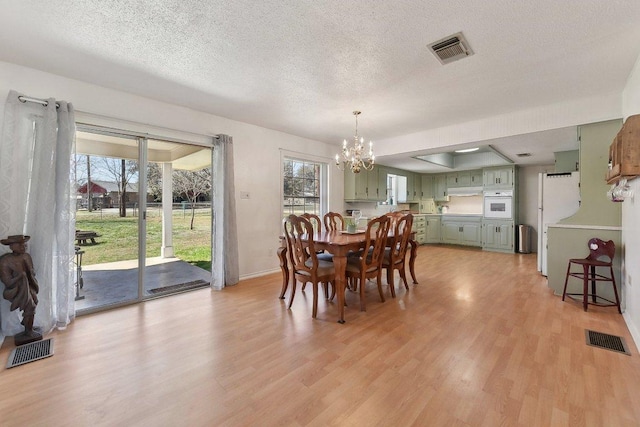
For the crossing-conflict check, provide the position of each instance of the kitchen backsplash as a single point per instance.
(463, 205)
(371, 210)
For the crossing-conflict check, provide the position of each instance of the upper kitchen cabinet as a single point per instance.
(414, 187)
(502, 177)
(464, 179)
(427, 187)
(476, 178)
(440, 188)
(382, 182)
(365, 186)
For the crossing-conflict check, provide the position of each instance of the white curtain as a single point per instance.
(224, 268)
(37, 180)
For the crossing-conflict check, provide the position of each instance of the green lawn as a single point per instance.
(119, 236)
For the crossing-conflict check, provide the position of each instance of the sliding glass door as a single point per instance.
(143, 218)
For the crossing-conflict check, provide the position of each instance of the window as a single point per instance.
(303, 189)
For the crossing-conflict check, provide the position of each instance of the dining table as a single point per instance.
(339, 244)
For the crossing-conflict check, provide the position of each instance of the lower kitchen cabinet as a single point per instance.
(461, 230)
(432, 229)
(497, 235)
(420, 228)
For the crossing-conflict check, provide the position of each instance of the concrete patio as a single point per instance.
(117, 282)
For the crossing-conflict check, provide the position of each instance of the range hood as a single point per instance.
(464, 191)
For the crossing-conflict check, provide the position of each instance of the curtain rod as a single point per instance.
(44, 102)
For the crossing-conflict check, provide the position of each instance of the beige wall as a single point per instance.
(595, 207)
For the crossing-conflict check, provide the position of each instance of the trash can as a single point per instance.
(524, 239)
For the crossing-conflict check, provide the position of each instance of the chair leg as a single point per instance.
(325, 289)
(390, 281)
(315, 300)
(585, 287)
(363, 306)
(403, 276)
(593, 284)
(285, 271)
(293, 292)
(566, 280)
(615, 290)
(379, 282)
(333, 291)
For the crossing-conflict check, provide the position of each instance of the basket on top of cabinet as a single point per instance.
(624, 152)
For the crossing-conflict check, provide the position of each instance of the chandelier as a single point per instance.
(353, 157)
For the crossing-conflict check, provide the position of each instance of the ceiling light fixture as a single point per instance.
(353, 156)
(468, 150)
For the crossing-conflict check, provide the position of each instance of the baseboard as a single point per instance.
(635, 334)
(259, 274)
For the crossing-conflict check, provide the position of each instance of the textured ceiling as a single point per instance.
(302, 67)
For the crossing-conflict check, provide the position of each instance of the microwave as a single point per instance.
(498, 204)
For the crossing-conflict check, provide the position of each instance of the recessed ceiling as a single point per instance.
(303, 67)
(540, 146)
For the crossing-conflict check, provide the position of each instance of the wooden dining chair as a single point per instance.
(306, 266)
(368, 264)
(322, 255)
(333, 221)
(315, 220)
(594, 269)
(395, 254)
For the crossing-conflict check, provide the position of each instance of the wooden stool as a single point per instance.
(597, 249)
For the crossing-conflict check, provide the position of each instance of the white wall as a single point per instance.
(630, 223)
(256, 152)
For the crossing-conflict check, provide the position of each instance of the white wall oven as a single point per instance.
(498, 204)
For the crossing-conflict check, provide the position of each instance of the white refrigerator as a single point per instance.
(558, 198)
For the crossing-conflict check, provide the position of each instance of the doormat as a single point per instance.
(606, 341)
(30, 352)
(179, 287)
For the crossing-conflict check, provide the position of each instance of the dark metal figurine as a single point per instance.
(21, 286)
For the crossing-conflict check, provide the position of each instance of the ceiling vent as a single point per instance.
(451, 48)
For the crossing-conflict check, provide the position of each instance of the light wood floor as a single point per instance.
(480, 341)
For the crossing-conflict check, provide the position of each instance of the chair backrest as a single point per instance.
(599, 248)
(401, 233)
(394, 217)
(333, 221)
(295, 228)
(375, 243)
(314, 219)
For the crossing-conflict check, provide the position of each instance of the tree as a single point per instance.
(154, 181)
(192, 184)
(122, 172)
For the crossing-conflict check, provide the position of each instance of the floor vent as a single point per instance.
(30, 352)
(606, 341)
(179, 287)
